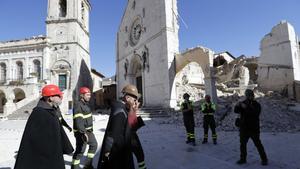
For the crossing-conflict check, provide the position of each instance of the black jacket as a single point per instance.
(249, 115)
(82, 118)
(43, 140)
(117, 140)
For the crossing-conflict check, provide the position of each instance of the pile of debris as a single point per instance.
(276, 115)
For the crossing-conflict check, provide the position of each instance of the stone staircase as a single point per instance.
(23, 112)
(154, 112)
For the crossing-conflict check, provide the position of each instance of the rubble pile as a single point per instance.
(275, 116)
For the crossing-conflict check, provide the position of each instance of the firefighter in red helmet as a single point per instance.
(83, 130)
(44, 135)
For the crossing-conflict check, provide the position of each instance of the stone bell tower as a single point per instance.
(68, 62)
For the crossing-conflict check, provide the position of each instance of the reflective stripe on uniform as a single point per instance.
(82, 116)
(208, 114)
(142, 165)
(75, 162)
(214, 136)
(205, 135)
(90, 155)
(213, 106)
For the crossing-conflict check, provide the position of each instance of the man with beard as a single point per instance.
(116, 151)
(44, 140)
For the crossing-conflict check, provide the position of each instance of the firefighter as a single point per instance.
(249, 111)
(116, 151)
(208, 109)
(44, 140)
(188, 118)
(83, 130)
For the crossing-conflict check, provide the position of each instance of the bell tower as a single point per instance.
(68, 58)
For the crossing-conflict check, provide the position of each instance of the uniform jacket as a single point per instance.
(249, 115)
(82, 118)
(187, 108)
(208, 108)
(43, 140)
(117, 140)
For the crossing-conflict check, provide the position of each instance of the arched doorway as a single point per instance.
(136, 75)
(2, 101)
(19, 95)
(204, 57)
(190, 80)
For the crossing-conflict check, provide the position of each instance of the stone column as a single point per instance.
(210, 88)
(26, 68)
(8, 73)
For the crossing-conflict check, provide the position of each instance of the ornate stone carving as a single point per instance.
(126, 64)
(145, 58)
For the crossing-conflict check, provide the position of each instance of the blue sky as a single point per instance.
(236, 26)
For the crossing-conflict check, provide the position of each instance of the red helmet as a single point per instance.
(51, 90)
(84, 90)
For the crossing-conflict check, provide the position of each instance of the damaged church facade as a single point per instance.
(148, 56)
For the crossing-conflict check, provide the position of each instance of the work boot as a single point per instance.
(193, 143)
(75, 167)
(215, 141)
(264, 162)
(88, 164)
(188, 140)
(204, 141)
(241, 161)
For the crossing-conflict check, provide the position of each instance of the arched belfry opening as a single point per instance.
(62, 8)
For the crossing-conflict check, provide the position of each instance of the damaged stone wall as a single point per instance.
(279, 60)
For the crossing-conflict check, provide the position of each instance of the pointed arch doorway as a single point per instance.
(136, 75)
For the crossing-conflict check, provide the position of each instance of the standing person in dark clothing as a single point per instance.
(43, 142)
(83, 130)
(116, 151)
(249, 111)
(208, 109)
(187, 109)
(136, 123)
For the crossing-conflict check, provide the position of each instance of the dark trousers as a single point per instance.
(81, 145)
(209, 122)
(244, 137)
(189, 125)
(137, 150)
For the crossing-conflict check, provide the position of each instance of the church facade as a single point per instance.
(62, 57)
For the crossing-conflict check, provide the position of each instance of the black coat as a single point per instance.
(249, 115)
(43, 140)
(117, 140)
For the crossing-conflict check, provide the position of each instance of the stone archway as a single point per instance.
(19, 95)
(135, 75)
(204, 57)
(3, 100)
